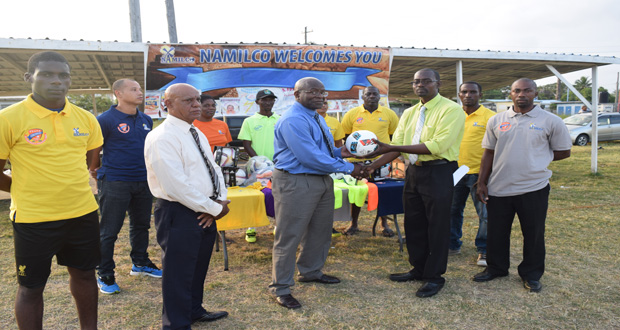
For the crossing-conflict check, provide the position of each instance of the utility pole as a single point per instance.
(172, 23)
(135, 21)
(306, 35)
(617, 101)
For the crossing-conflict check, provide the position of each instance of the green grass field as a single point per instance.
(581, 283)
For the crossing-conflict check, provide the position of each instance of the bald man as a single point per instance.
(122, 184)
(191, 195)
(518, 145)
(304, 192)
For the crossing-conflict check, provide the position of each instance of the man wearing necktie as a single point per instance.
(191, 196)
(304, 192)
(429, 135)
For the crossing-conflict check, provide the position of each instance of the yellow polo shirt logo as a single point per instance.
(35, 136)
(76, 132)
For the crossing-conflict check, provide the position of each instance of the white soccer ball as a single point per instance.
(360, 143)
(226, 158)
(257, 163)
(240, 176)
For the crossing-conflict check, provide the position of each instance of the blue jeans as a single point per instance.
(115, 199)
(459, 198)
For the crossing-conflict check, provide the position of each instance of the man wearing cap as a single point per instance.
(257, 135)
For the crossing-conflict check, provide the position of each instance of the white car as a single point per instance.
(580, 127)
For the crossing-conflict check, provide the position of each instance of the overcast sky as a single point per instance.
(569, 26)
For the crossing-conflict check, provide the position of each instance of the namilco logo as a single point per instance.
(168, 57)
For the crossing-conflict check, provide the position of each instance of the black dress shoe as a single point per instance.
(325, 279)
(486, 276)
(211, 316)
(533, 286)
(404, 277)
(288, 301)
(429, 289)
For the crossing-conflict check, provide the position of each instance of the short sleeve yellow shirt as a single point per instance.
(335, 128)
(47, 151)
(383, 122)
(471, 145)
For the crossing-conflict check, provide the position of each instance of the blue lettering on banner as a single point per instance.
(230, 55)
(281, 55)
(275, 77)
(286, 56)
(368, 57)
(293, 57)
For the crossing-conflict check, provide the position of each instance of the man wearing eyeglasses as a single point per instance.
(375, 118)
(429, 134)
(304, 192)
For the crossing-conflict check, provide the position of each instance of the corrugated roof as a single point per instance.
(97, 64)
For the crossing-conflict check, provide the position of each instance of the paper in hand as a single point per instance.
(460, 173)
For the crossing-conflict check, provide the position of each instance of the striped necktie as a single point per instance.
(213, 174)
(418, 131)
(325, 137)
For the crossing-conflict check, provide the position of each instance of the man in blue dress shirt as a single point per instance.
(303, 192)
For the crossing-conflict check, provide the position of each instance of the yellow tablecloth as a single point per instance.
(247, 209)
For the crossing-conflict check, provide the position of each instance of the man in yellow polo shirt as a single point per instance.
(375, 118)
(335, 127)
(429, 134)
(470, 155)
(49, 141)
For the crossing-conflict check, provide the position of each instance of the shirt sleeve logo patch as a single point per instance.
(504, 127)
(124, 128)
(35, 136)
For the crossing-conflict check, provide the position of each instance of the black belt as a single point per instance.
(432, 162)
(287, 172)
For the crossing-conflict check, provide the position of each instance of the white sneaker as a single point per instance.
(482, 260)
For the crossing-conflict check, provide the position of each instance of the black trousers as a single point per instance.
(427, 197)
(187, 249)
(532, 211)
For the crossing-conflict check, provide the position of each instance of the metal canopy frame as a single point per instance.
(95, 65)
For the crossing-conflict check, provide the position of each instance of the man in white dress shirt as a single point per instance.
(191, 195)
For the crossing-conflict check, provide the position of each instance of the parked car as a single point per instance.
(234, 123)
(580, 127)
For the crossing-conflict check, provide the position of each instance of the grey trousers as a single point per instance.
(304, 207)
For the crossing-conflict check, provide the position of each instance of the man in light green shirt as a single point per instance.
(257, 130)
(432, 146)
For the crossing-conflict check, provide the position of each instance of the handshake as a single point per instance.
(362, 171)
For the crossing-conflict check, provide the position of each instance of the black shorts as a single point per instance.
(74, 242)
